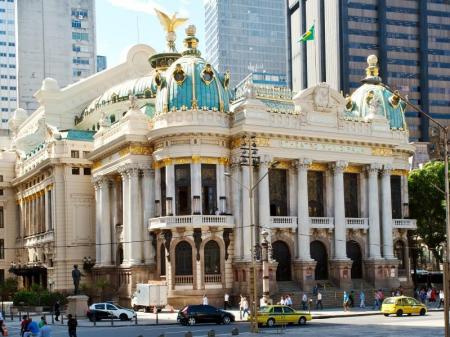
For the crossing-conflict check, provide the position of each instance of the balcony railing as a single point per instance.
(321, 222)
(213, 278)
(283, 221)
(167, 222)
(357, 223)
(404, 223)
(39, 239)
(184, 279)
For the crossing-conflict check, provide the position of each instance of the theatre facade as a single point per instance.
(139, 169)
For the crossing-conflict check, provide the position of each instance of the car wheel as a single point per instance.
(191, 321)
(422, 312)
(270, 322)
(400, 312)
(386, 315)
(226, 320)
(302, 320)
(123, 317)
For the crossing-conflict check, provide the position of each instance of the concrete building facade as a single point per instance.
(411, 39)
(55, 38)
(246, 36)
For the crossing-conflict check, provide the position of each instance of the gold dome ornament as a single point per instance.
(372, 71)
(170, 24)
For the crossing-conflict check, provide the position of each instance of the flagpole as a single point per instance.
(315, 52)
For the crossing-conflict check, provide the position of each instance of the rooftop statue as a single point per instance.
(170, 24)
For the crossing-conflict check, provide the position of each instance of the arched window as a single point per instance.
(212, 257)
(183, 258)
(162, 260)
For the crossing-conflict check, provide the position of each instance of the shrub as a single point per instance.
(35, 297)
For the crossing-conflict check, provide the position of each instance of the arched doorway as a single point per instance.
(319, 254)
(183, 258)
(354, 253)
(282, 255)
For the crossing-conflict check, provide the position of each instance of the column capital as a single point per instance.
(302, 163)
(339, 166)
(373, 169)
(265, 160)
(387, 169)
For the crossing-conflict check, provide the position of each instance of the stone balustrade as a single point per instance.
(404, 223)
(39, 239)
(168, 222)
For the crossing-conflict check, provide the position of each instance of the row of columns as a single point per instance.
(35, 213)
(137, 207)
(241, 202)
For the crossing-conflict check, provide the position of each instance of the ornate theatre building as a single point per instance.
(139, 168)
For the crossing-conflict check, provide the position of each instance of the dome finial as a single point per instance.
(170, 24)
(372, 71)
(191, 42)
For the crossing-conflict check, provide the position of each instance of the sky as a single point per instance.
(124, 23)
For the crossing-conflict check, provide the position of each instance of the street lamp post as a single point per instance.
(265, 266)
(447, 206)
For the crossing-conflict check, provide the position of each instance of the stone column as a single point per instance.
(386, 211)
(170, 189)
(303, 210)
(46, 209)
(135, 217)
(374, 212)
(105, 223)
(98, 220)
(236, 208)
(246, 217)
(148, 201)
(42, 211)
(340, 231)
(196, 185)
(125, 222)
(264, 195)
(157, 192)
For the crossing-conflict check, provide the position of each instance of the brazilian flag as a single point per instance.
(308, 36)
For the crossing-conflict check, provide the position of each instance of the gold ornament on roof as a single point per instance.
(170, 24)
(372, 69)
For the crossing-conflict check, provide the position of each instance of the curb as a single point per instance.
(347, 315)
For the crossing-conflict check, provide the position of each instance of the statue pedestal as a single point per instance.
(78, 305)
(341, 273)
(304, 273)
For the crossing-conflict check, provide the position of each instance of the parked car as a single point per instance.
(192, 314)
(272, 315)
(99, 311)
(400, 305)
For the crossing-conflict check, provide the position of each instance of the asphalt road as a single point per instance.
(367, 326)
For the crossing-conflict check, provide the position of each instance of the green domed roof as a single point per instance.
(373, 99)
(191, 83)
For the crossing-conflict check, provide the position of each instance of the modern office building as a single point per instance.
(55, 38)
(101, 63)
(410, 38)
(8, 81)
(246, 36)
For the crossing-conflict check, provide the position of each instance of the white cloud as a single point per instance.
(144, 6)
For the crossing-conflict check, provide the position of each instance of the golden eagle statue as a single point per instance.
(169, 23)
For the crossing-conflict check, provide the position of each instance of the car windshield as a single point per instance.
(265, 309)
(389, 300)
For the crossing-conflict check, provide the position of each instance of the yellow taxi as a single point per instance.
(281, 315)
(400, 305)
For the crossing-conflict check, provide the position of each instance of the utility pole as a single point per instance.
(444, 130)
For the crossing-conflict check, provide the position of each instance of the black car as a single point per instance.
(192, 314)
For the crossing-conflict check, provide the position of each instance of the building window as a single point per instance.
(2, 217)
(315, 193)
(75, 170)
(278, 192)
(183, 258)
(76, 23)
(2, 249)
(162, 171)
(80, 36)
(183, 189)
(75, 154)
(85, 154)
(209, 189)
(212, 258)
(351, 195)
(2, 275)
(87, 171)
(1, 191)
(396, 197)
(1, 178)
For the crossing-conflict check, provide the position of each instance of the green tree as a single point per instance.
(427, 205)
(7, 289)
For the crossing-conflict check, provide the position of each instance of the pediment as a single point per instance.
(320, 98)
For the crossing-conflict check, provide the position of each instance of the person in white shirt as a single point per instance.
(262, 302)
(226, 298)
(441, 298)
(305, 301)
(205, 300)
(319, 300)
(288, 300)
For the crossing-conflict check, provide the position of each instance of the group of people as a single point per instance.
(430, 296)
(30, 328)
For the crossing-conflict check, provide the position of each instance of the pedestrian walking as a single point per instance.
(57, 309)
(24, 325)
(288, 300)
(282, 300)
(346, 300)
(351, 299)
(245, 307)
(226, 299)
(32, 329)
(304, 302)
(441, 298)
(319, 300)
(46, 331)
(362, 299)
(262, 302)
(205, 300)
(72, 325)
(41, 322)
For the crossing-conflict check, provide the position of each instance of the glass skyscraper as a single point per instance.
(410, 37)
(245, 36)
